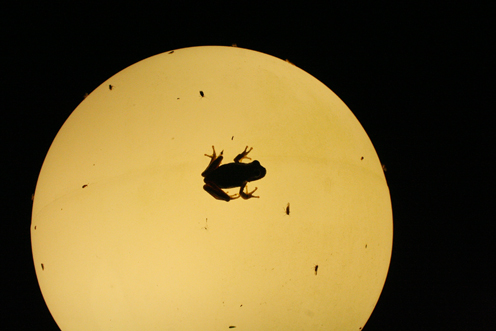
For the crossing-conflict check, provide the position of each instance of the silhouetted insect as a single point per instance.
(232, 326)
(85, 185)
(201, 93)
(287, 209)
(42, 267)
(232, 137)
(35, 227)
(110, 87)
(365, 245)
(171, 52)
(316, 268)
(361, 158)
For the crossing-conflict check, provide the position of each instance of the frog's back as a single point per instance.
(235, 174)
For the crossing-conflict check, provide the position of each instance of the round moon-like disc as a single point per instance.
(124, 236)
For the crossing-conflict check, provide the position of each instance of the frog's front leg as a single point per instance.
(217, 193)
(247, 195)
(214, 162)
(243, 154)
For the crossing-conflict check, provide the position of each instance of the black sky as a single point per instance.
(417, 76)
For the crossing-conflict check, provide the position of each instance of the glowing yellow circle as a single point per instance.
(125, 238)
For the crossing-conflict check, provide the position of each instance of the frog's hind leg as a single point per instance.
(214, 162)
(247, 195)
(218, 193)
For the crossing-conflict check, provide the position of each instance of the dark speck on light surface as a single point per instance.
(202, 94)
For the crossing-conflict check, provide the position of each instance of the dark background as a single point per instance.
(418, 76)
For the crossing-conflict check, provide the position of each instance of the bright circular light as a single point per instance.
(124, 236)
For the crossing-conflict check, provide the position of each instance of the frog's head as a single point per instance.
(257, 171)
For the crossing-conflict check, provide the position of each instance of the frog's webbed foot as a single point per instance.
(247, 195)
(234, 196)
(214, 156)
(243, 154)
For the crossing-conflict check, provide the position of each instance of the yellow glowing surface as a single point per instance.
(125, 238)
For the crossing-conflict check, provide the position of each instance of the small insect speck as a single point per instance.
(110, 87)
(361, 158)
(241, 305)
(35, 227)
(232, 138)
(202, 94)
(171, 52)
(384, 167)
(365, 245)
(316, 268)
(85, 185)
(287, 209)
(42, 267)
(232, 326)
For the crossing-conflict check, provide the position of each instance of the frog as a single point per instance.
(230, 175)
